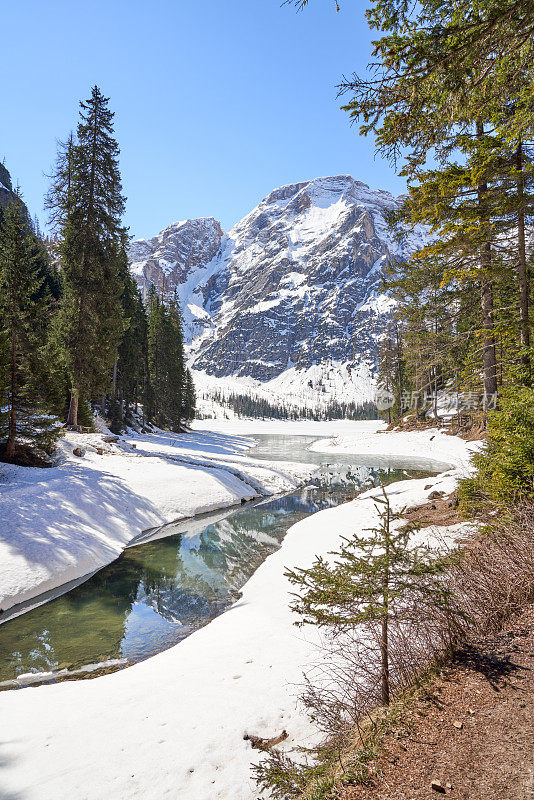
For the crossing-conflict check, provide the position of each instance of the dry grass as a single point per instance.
(494, 578)
(490, 581)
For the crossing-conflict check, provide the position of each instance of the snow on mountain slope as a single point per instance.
(180, 258)
(289, 302)
(313, 389)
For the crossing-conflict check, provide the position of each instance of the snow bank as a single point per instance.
(432, 443)
(173, 726)
(348, 429)
(65, 522)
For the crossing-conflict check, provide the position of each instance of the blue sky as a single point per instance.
(217, 101)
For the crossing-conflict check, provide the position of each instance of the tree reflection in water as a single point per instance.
(157, 593)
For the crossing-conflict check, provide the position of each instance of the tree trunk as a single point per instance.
(489, 359)
(399, 365)
(522, 266)
(384, 658)
(72, 418)
(384, 645)
(12, 432)
(457, 392)
(78, 369)
(435, 375)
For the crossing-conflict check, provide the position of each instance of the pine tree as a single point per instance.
(59, 200)
(515, 188)
(437, 317)
(175, 366)
(437, 66)
(168, 383)
(462, 207)
(189, 397)
(87, 203)
(23, 310)
(131, 362)
(505, 465)
(444, 72)
(391, 369)
(374, 582)
(155, 347)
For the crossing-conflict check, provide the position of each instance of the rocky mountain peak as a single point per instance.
(169, 259)
(291, 291)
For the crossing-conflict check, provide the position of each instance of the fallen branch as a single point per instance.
(259, 743)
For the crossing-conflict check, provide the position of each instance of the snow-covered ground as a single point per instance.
(173, 726)
(313, 388)
(431, 443)
(249, 427)
(65, 522)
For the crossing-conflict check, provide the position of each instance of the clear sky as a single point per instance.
(217, 102)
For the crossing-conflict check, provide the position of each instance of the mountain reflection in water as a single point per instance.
(157, 593)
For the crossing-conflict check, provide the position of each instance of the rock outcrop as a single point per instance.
(6, 189)
(294, 289)
(176, 262)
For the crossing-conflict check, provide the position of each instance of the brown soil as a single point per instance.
(471, 732)
(440, 510)
(468, 430)
(469, 434)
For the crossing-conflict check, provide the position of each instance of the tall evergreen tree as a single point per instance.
(391, 368)
(188, 397)
(22, 315)
(59, 198)
(155, 347)
(87, 202)
(167, 375)
(129, 370)
(175, 364)
(472, 206)
(443, 72)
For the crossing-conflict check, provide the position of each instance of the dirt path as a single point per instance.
(472, 735)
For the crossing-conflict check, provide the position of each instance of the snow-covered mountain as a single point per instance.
(180, 258)
(288, 303)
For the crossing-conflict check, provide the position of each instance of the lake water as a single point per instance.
(159, 592)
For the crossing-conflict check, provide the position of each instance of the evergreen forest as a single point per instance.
(77, 336)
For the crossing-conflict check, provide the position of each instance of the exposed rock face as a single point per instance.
(294, 285)
(176, 259)
(6, 190)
